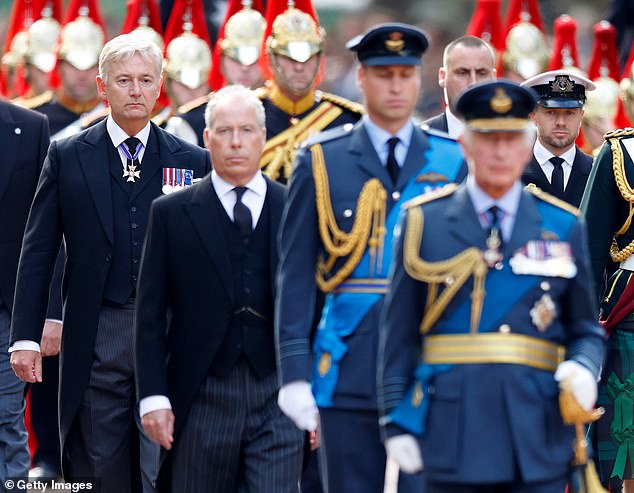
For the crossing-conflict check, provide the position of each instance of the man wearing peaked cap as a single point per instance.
(488, 291)
(558, 166)
(353, 175)
(295, 109)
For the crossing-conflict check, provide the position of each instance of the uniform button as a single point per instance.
(133, 209)
(505, 328)
(499, 266)
(347, 213)
(135, 225)
(431, 390)
(17, 130)
(396, 195)
(108, 258)
(449, 281)
(247, 290)
(135, 243)
(545, 285)
(134, 278)
(135, 260)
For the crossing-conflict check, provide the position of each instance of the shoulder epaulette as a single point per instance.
(342, 102)
(194, 103)
(328, 135)
(621, 132)
(436, 133)
(35, 101)
(92, 117)
(261, 92)
(434, 194)
(551, 199)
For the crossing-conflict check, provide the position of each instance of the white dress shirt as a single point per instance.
(455, 126)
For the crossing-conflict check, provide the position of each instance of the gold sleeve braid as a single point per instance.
(618, 167)
(368, 229)
(452, 272)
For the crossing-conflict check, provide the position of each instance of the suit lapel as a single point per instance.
(10, 131)
(463, 220)
(414, 160)
(576, 181)
(275, 199)
(367, 158)
(204, 212)
(94, 161)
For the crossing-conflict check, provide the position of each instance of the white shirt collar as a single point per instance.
(455, 126)
(482, 202)
(379, 136)
(117, 135)
(223, 187)
(543, 155)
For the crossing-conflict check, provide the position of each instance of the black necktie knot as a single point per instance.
(132, 143)
(392, 164)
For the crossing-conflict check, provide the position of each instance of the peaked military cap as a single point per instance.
(496, 106)
(391, 43)
(560, 88)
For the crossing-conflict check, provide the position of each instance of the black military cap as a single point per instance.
(496, 106)
(560, 88)
(391, 43)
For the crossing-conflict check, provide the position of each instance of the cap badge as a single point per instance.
(501, 102)
(562, 83)
(395, 41)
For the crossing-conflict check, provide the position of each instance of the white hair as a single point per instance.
(236, 91)
(126, 45)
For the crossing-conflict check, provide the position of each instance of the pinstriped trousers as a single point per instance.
(106, 440)
(235, 436)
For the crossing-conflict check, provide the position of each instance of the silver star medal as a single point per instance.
(492, 255)
(132, 173)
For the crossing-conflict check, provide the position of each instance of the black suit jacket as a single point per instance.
(581, 167)
(25, 138)
(74, 199)
(186, 270)
(438, 122)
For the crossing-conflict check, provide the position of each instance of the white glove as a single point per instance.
(404, 450)
(583, 383)
(297, 402)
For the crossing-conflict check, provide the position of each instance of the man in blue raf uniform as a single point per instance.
(491, 283)
(336, 234)
(558, 166)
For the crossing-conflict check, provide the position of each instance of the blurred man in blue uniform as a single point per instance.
(491, 284)
(336, 233)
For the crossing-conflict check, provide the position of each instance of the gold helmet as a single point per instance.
(295, 35)
(243, 35)
(602, 102)
(81, 41)
(188, 59)
(526, 51)
(15, 56)
(147, 32)
(43, 35)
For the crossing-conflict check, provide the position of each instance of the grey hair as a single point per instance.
(230, 92)
(127, 45)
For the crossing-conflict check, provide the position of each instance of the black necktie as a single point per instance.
(494, 215)
(133, 164)
(392, 164)
(241, 213)
(557, 180)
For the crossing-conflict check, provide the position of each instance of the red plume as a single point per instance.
(564, 52)
(604, 52)
(72, 12)
(522, 10)
(486, 23)
(138, 8)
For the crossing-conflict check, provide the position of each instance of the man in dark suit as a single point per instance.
(490, 305)
(465, 61)
(558, 166)
(95, 191)
(205, 354)
(352, 175)
(24, 134)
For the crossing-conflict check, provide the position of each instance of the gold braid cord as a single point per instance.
(452, 272)
(368, 229)
(618, 166)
